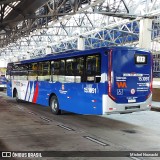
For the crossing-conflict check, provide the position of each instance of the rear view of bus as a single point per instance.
(129, 81)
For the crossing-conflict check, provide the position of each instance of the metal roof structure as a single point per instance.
(29, 27)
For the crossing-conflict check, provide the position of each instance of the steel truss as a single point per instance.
(59, 24)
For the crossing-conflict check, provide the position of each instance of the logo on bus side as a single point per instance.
(119, 92)
(121, 84)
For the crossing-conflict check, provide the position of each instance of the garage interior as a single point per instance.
(33, 29)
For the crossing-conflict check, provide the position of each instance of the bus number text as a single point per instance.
(143, 78)
(90, 90)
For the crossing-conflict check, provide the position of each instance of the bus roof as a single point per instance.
(70, 53)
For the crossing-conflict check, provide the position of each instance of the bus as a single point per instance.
(3, 82)
(98, 81)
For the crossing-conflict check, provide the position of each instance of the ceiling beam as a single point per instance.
(8, 1)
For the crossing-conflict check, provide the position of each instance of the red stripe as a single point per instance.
(109, 76)
(35, 94)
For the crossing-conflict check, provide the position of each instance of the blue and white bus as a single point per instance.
(97, 81)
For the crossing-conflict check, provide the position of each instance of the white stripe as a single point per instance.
(65, 127)
(135, 158)
(28, 92)
(32, 93)
(96, 141)
(46, 119)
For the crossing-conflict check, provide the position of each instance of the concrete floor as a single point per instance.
(29, 127)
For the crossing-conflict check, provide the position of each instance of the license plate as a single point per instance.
(132, 107)
(131, 100)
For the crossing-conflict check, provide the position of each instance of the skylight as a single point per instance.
(10, 7)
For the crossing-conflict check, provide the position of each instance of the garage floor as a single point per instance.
(28, 127)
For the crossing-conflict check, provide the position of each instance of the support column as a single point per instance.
(145, 33)
(15, 59)
(81, 43)
(3, 63)
(48, 50)
(28, 55)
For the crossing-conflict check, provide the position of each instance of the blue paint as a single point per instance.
(77, 98)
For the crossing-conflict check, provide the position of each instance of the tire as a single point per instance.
(54, 105)
(16, 96)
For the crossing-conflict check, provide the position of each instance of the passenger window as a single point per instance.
(70, 67)
(93, 69)
(58, 67)
(62, 67)
(44, 71)
(58, 71)
(93, 65)
(33, 68)
(20, 72)
(55, 67)
(79, 69)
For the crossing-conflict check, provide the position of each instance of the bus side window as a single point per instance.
(55, 67)
(23, 73)
(93, 68)
(70, 67)
(59, 67)
(80, 66)
(58, 70)
(19, 72)
(40, 73)
(44, 71)
(14, 72)
(62, 67)
(33, 68)
(52, 70)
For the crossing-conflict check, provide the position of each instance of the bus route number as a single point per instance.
(141, 59)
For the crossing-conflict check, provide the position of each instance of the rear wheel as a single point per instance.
(16, 96)
(55, 105)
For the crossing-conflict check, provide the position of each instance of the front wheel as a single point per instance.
(54, 105)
